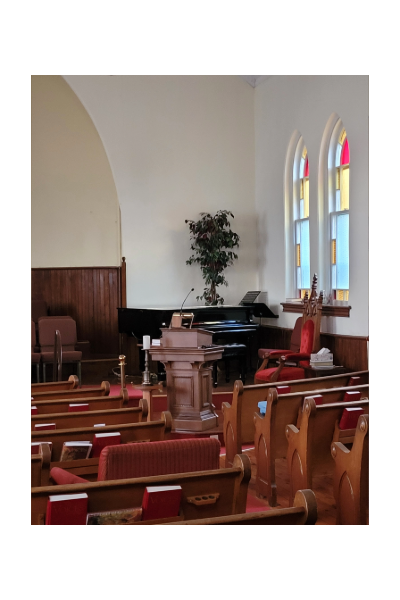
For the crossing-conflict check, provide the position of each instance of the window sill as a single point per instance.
(328, 310)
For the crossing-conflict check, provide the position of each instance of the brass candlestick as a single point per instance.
(122, 371)
(146, 372)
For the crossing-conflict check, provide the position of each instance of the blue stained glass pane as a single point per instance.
(338, 155)
(305, 254)
(342, 252)
(301, 169)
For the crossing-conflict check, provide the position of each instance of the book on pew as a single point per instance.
(34, 410)
(318, 399)
(283, 389)
(349, 417)
(81, 407)
(161, 501)
(99, 425)
(44, 426)
(351, 396)
(354, 381)
(67, 509)
(75, 450)
(124, 516)
(101, 440)
(35, 446)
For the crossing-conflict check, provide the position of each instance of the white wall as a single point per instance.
(284, 104)
(177, 146)
(75, 211)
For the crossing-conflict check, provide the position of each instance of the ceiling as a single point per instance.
(255, 80)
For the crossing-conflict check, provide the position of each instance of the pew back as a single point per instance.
(72, 420)
(228, 487)
(309, 445)
(71, 383)
(102, 390)
(238, 417)
(130, 432)
(49, 406)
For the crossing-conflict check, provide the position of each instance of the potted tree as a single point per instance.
(212, 243)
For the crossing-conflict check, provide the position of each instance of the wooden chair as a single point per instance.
(303, 512)
(47, 326)
(225, 491)
(265, 355)
(310, 342)
(351, 477)
(309, 444)
(238, 422)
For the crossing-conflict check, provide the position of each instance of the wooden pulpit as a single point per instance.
(188, 356)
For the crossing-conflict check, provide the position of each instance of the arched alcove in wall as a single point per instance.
(74, 205)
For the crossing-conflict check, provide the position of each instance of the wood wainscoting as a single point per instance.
(91, 296)
(348, 351)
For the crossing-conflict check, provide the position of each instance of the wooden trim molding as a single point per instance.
(328, 310)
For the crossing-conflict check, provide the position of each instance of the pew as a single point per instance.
(351, 477)
(40, 466)
(113, 416)
(303, 512)
(309, 444)
(71, 383)
(88, 468)
(238, 425)
(102, 390)
(225, 490)
(45, 407)
(270, 441)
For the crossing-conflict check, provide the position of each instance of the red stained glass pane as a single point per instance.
(306, 169)
(345, 154)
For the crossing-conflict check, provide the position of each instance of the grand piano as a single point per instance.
(229, 324)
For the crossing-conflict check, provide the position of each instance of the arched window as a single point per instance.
(339, 218)
(301, 215)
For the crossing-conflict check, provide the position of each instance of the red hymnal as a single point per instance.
(67, 509)
(349, 418)
(354, 381)
(160, 502)
(101, 440)
(78, 407)
(34, 410)
(42, 426)
(35, 446)
(351, 396)
(283, 389)
(318, 399)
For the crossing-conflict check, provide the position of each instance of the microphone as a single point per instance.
(185, 300)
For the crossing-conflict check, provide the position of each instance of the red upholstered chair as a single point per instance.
(309, 342)
(47, 327)
(35, 354)
(145, 459)
(272, 354)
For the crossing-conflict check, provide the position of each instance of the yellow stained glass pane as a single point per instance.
(304, 154)
(342, 294)
(298, 255)
(334, 252)
(344, 189)
(303, 293)
(306, 198)
(338, 179)
(342, 137)
(301, 189)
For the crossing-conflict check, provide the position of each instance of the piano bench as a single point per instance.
(232, 352)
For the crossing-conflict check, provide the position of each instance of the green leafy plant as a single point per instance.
(212, 241)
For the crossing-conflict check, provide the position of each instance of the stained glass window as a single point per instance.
(340, 220)
(302, 225)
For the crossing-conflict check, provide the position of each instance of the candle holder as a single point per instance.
(122, 365)
(146, 372)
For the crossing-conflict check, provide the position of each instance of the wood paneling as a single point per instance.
(348, 351)
(90, 295)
